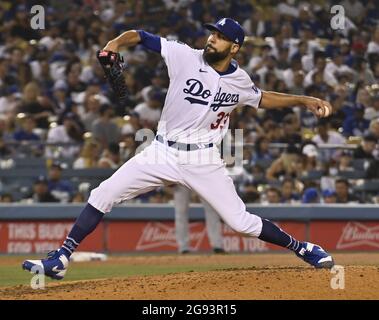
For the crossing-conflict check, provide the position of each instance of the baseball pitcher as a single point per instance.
(205, 86)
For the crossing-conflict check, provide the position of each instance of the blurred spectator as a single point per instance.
(250, 194)
(342, 192)
(354, 9)
(104, 129)
(272, 195)
(311, 154)
(44, 77)
(372, 110)
(6, 79)
(286, 165)
(69, 132)
(92, 111)
(269, 73)
(320, 68)
(78, 198)
(258, 60)
(19, 25)
(132, 124)
(41, 191)
(373, 46)
(356, 124)
(7, 127)
(74, 85)
(374, 128)
(33, 103)
(261, 150)
(363, 71)
(6, 198)
(89, 156)
(345, 162)
(366, 148)
(5, 151)
(59, 188)
(18, 68)
(158, 82)
(291, 129)
(111, 157)
(372, 171)
(310, 195)
(288, 192)
(9, 100)
(241, 10)
(129, 146)
(307, 119)
(294, 67)
(62, 102)
(25, 133)
(327, 136)
(336, 65)
(150, 111)
(268, 128)
(329, 196)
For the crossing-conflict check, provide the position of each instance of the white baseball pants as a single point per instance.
(202, 171)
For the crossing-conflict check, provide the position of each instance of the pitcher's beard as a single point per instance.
(212, 57)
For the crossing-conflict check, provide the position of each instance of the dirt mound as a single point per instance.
(279, 282)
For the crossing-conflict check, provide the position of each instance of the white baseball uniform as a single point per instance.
(196, 111)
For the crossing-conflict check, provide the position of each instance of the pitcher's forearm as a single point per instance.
(128, 39)
(271, 99)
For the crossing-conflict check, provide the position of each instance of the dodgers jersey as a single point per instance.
(199, 100)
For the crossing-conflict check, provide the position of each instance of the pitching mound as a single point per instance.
(277, 281)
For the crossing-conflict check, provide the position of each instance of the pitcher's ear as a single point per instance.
(235, 48)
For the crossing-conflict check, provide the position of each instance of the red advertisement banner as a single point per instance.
(43, 236)
(156, 236)
(346, 235)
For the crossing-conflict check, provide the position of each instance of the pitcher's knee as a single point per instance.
(247, 224)
(103, 198)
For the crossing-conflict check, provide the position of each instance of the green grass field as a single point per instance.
(11, 273)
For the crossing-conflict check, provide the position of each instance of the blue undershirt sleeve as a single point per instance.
(150, 41)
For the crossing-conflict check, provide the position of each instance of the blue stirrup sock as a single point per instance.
(87, 221)
(273, 234)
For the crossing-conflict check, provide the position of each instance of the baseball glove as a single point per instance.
(113, 66)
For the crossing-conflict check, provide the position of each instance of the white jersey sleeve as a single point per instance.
(174, 53)
(251, 94)
(254, 97)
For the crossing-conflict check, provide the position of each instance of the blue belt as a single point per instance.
(182, 146)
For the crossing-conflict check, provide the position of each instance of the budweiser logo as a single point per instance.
(156, 235)
(356, 234)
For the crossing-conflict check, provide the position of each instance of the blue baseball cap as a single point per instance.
(229, 28)
(328, 193)
(310, 195)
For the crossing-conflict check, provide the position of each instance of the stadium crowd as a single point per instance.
(55, 103)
